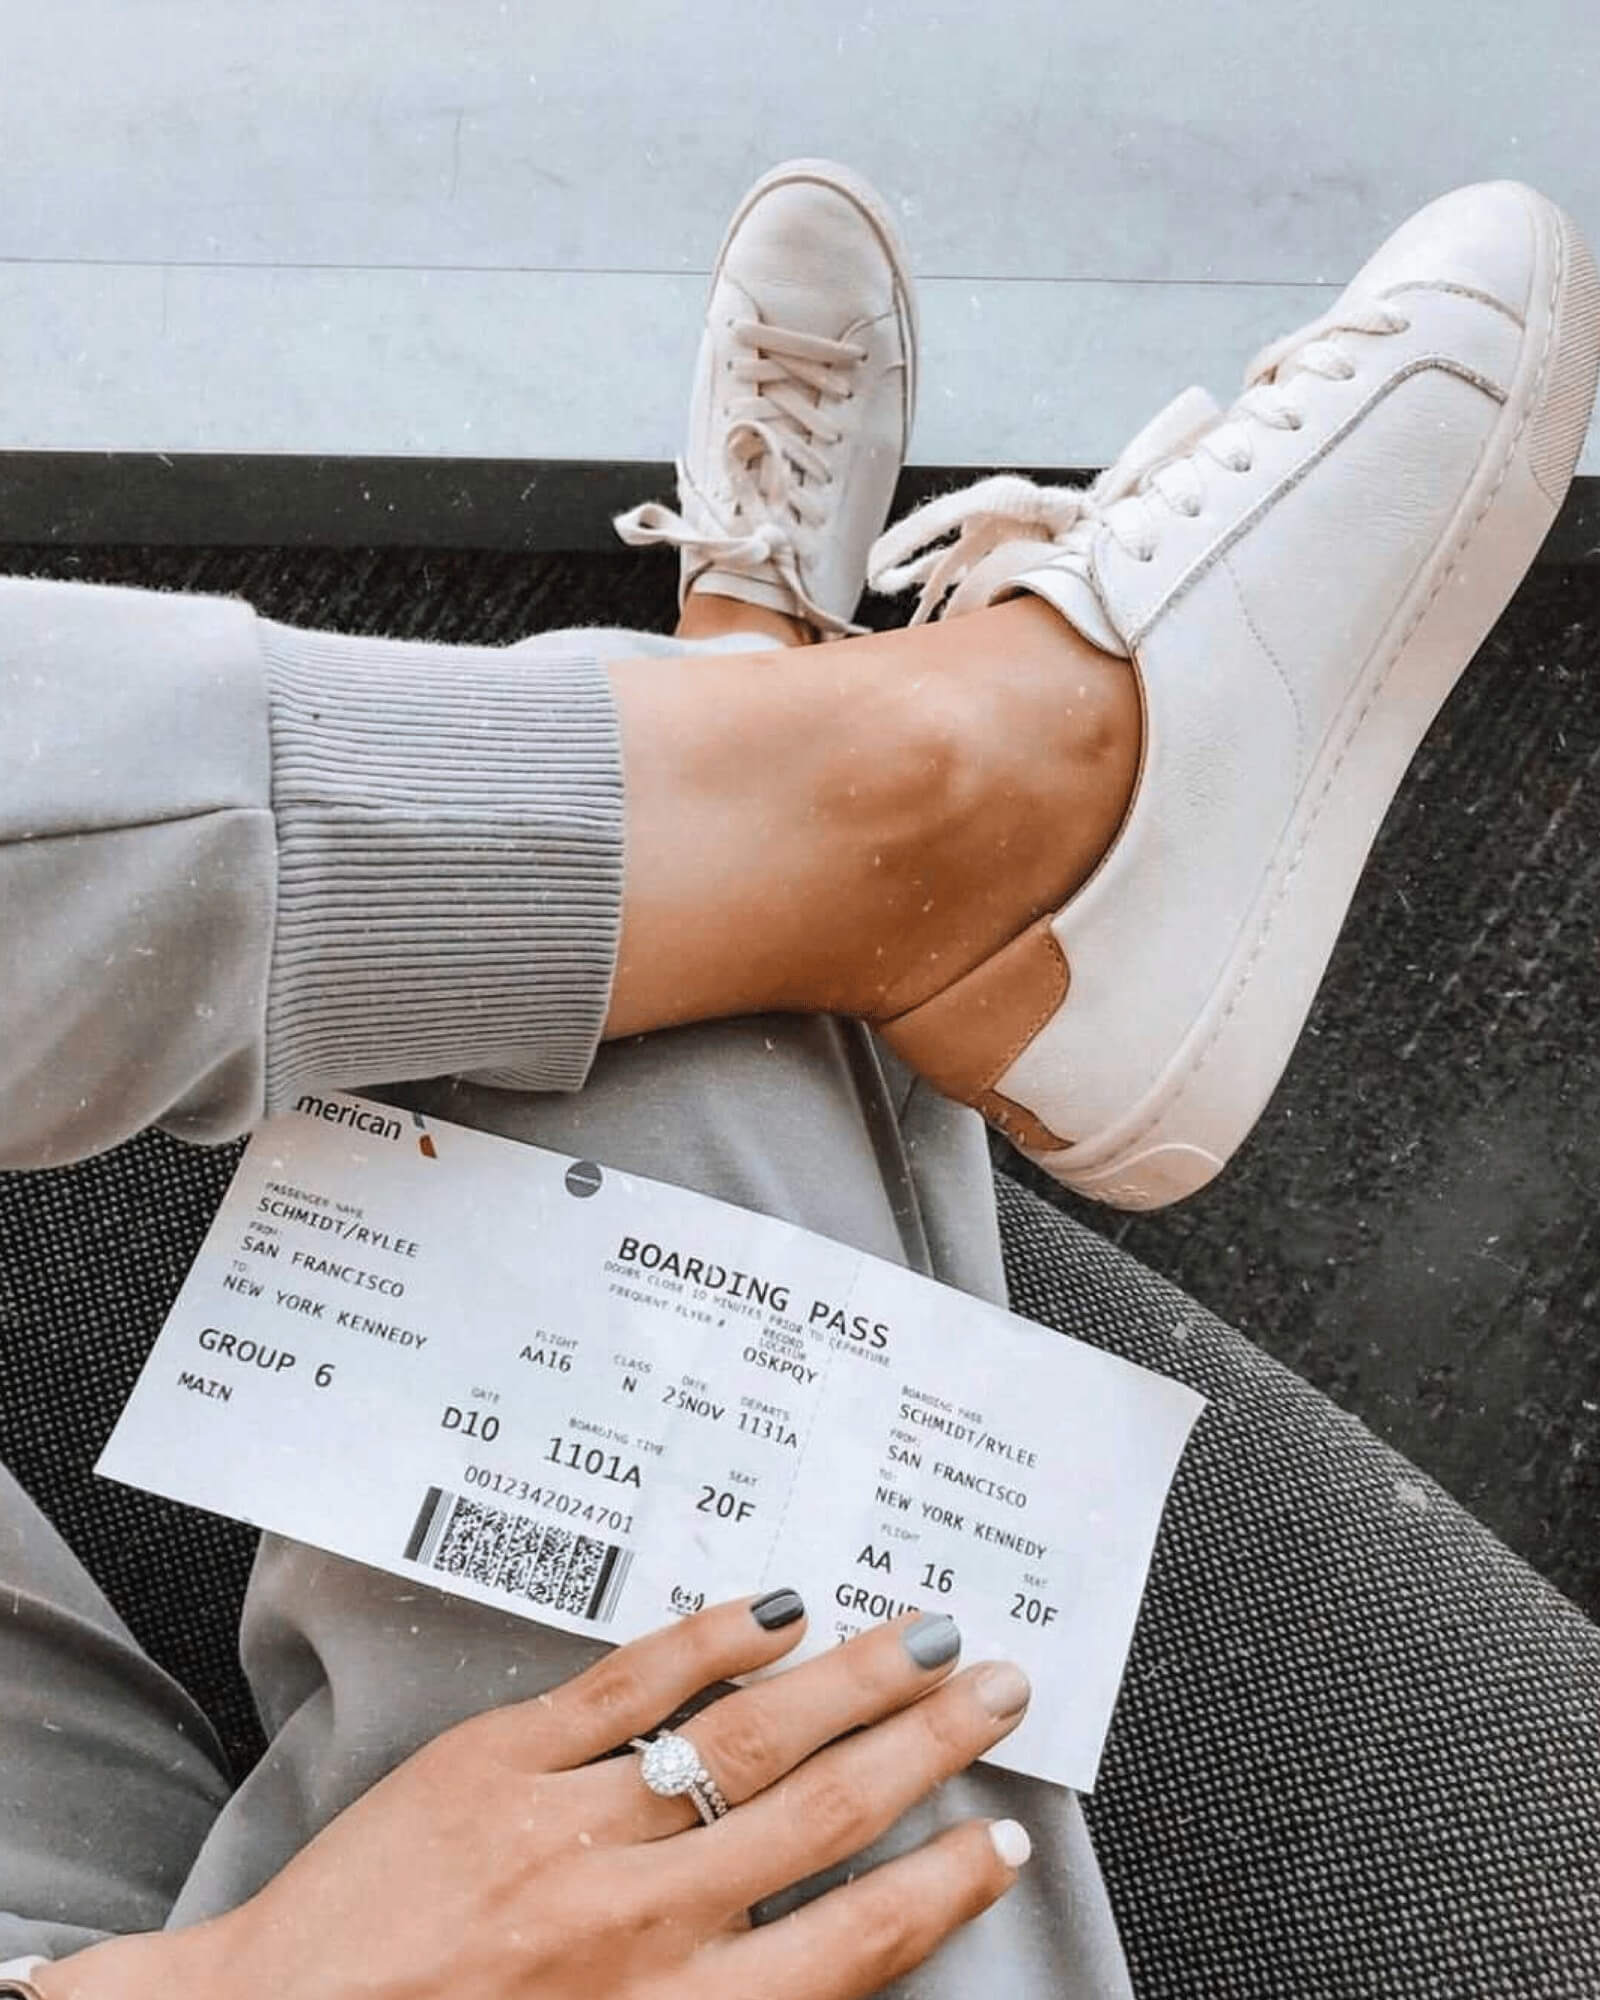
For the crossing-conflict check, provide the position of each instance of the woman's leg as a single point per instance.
(809, 1119)
(785, 820)
(829, 795)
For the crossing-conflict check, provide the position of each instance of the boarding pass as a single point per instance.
(602, 1402)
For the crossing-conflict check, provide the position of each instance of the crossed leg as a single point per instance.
(809, 1119)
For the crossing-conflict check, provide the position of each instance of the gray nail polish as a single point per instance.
(933, 1640)
(777, 1609)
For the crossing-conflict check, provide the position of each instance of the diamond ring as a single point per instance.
(671, 1768)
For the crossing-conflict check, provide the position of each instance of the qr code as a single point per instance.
(515, 1553)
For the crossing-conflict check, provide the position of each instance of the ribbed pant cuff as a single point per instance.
(449, 861)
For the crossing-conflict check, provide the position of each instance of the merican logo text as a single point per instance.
(360, 1119)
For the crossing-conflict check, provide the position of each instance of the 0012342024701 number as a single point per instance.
(593, 1512)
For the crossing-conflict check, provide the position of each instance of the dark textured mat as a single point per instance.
(1411, 1227)
(91, 1258)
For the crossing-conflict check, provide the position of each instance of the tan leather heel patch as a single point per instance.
(1018, 1124)
(964, 1039)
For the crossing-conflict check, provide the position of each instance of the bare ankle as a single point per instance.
(855, 832)
(708, 615)
(1042, 741)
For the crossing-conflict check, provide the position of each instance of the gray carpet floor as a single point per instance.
(1413, 1225)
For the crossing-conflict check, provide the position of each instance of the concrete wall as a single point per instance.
(472, 227)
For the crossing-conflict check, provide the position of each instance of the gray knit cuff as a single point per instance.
(449, 861)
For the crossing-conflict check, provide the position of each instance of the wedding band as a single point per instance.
(671, 1768)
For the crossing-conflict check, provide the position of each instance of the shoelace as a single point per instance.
(940, 544)
(776, 464)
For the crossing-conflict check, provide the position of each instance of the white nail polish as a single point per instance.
(1011, 1841)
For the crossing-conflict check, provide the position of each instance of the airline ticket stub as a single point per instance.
(602, 1402)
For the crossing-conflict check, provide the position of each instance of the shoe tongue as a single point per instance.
(1030, 568)
(1169, 432)
(1064, 577)
(1066, 585)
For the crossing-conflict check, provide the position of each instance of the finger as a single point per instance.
(752, 1737)
(631, 1689)
(855, 1940)
(843, 1798)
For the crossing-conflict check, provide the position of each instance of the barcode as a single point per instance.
(513, 1552)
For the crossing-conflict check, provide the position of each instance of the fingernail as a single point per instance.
(1011, 1841)
(933, 1640)
(1003, 1689)
(777, 1609)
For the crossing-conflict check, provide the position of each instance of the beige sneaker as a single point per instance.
(1298, 583)
(803, 400)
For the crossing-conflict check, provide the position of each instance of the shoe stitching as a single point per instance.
(1203, 1054)
(901, 307)
(715, 502)
(901, 362)
(1255, 632)
(1062, 986)
(906, 327)
(1203, 563)
(871, 210)
(1457, 291)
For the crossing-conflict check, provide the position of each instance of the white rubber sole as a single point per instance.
(1202, 1108)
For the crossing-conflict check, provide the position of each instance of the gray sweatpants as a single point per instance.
(114, 1813)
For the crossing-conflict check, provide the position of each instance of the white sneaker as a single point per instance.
(803, 400)
(1299, 583)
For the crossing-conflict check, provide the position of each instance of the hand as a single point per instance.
(502, 1863)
